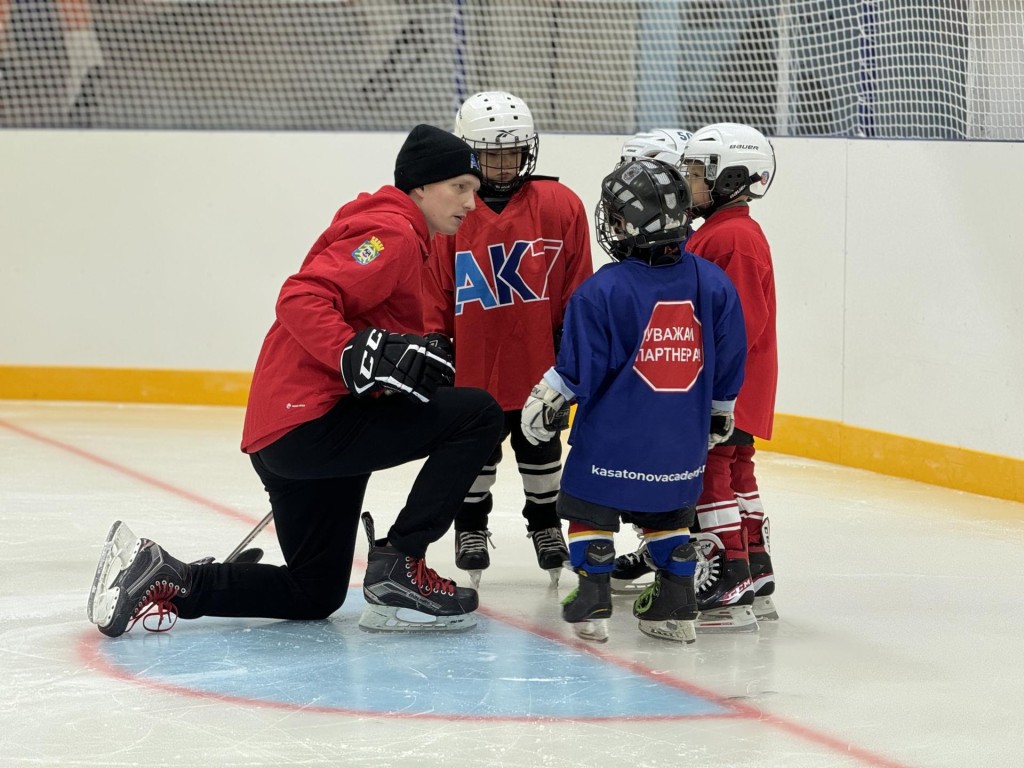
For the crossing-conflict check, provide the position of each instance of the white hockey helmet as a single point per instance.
(737, 160)
(492, 121)
(643, 211)
(664, 144)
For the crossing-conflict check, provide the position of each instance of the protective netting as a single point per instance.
(923, 68)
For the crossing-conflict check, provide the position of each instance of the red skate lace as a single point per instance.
(156, 604)
(426, 578)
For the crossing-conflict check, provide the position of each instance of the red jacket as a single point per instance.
(499, 287)
(735, 242)
(364, 270)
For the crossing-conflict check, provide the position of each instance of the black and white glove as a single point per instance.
(540, 413)
(397, 362)
(441, 344)
(722, 424)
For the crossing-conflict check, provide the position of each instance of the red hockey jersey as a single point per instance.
(499, 287)
(734, 241)
(365, 270)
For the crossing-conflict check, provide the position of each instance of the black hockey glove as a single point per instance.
(722, 424)
(398, 362)
(441, 344)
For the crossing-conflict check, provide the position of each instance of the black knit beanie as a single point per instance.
(430, 154)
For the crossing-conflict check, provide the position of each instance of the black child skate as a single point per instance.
(471, 553)
(668, 607)
(403, 594)
(725, 591)
(552, 552)
(589, 606)
(135, 580)
(762, 574)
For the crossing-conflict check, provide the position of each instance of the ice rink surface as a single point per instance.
(899, 643)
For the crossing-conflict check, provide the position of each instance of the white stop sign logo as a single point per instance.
(671, 355)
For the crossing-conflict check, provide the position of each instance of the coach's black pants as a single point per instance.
(316, 477)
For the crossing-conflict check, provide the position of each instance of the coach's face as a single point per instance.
(446, 203)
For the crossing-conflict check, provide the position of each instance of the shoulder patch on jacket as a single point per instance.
(368, 251)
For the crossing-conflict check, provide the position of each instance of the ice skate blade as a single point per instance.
(118, 551)
(676, 630)
(386, 618)
(764, 609)
(554, 574)
(474, 578)
(731, 618)
(626, 587)
(594, 630)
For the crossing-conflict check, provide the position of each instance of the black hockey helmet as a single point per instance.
(643, 213)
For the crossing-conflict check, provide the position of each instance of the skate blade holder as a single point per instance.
(474, 578)
(118, 551)
(764, 608)
(731, 618)
(593, 630)
(675, 630)
(383, 618)
(624, 587)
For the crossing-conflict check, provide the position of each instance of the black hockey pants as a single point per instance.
(316, 476)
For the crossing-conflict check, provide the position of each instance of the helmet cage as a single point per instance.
(644, 204)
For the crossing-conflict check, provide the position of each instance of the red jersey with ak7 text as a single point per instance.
(499, 287)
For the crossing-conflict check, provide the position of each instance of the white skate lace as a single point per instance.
(474, 541)
(156, 604)
(547, 540)
(426, 579)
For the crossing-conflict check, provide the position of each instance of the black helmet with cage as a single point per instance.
(643, 212)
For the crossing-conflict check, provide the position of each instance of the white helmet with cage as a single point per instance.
(737, 160)
(665, 144)
(495, 122)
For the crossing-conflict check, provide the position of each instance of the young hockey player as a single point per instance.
(652, 353)
(727, 166)
(498, 288)
(318, 423)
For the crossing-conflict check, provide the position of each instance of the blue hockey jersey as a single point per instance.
(645, 350)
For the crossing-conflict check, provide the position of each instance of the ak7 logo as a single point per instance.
(521, 271)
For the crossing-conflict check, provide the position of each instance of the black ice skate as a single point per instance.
(631, 568)
(135, 580)
(552, 552)
(763, 576)
(471, 553)
(668, 607)
(403, 594)
(589, 606)
(725, 591)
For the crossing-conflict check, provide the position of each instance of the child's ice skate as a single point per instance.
(725, 591)
(403, 594)
(552, 552)
(471, 553)
(763, 575)
(135, 579)
(667, 608)
(631, 568)
(589, 606)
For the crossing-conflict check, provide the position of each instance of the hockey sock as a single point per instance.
(718, 512)
(748, 497)
(661, 545)
(580, 536)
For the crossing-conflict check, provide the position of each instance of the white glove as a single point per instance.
(540, 411)
(722, 424)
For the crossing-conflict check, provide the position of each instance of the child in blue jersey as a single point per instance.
(652, 353)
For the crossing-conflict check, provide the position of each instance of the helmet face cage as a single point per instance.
(644, 205)
(736, 159)
(496, 123)
(664, 144)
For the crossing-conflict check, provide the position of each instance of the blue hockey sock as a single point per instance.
(661, 545)
(581, 539)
